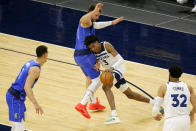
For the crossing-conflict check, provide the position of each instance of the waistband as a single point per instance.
(183, 115)
(82, 52)
(14, 92)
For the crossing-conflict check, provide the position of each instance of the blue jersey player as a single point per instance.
(22, 87)
(86, 60)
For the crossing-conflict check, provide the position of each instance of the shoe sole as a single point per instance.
(112, 123)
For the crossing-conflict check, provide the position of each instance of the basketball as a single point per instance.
(107, 78)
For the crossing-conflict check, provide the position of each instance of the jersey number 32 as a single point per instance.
(177, 97)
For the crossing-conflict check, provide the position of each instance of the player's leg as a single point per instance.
(110, 96)
(81, 107)
(94, 102)
(16, 112)
(90, 73)
(123, 87)
(18, 126)
(113, 118)
(94, 75)
(93, 97)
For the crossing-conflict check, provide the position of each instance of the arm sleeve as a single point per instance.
(100, 25)
(119, 59)
(157, 105)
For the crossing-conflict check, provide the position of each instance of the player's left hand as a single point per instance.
(158, 117)
(97, 66)
(116, 21)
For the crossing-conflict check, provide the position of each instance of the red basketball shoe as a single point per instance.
(96, 106)
(82, 109)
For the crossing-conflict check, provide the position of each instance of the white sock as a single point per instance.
(114, 113)
(18, 126)
(93, 99)
(86, 97)
(152, 101)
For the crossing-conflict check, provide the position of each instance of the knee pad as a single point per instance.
(120, 82)
(94, 85)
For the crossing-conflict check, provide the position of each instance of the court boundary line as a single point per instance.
(36, 56)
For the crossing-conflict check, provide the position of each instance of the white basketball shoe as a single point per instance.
(194, 9)
(112, 120)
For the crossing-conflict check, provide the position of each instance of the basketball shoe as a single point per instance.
(82, 109)
(112, 120)
(96, 106)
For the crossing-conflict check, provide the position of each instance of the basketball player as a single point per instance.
(22, 87)
(177, 96)
(109, 58)
(86, 60)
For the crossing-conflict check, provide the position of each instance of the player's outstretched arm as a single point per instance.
(193, 102)
(116, 21)
(33, 74)
(85, 21)
(101, 25)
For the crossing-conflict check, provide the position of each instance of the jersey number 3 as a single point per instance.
(105, 62)
(177, 102)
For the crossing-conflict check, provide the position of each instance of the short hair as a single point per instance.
(40, 50)
(175, 71)
(90, 39)
(92, 7)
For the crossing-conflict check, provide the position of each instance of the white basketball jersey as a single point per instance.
(106, 59)
(176, 99)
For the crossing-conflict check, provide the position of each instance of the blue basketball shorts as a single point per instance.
(16, 108)
(86, 63)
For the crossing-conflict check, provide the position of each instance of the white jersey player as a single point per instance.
(113, 62)
(177, 96)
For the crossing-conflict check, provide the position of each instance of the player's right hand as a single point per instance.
(38, 109)
(158, 117)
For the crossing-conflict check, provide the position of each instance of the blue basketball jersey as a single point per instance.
(21, 78)
(81, 34)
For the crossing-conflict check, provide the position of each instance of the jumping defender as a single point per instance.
(86, 60)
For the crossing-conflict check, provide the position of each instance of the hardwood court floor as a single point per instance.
(61, 86)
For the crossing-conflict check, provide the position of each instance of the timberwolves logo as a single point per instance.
(16, 116)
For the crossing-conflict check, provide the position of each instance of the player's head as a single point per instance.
(92, 42)
(42, 53)
(175, 71)
(96, 15)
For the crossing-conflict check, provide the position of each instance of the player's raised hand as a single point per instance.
(116, 21)
(98, 6)
(38, 109)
